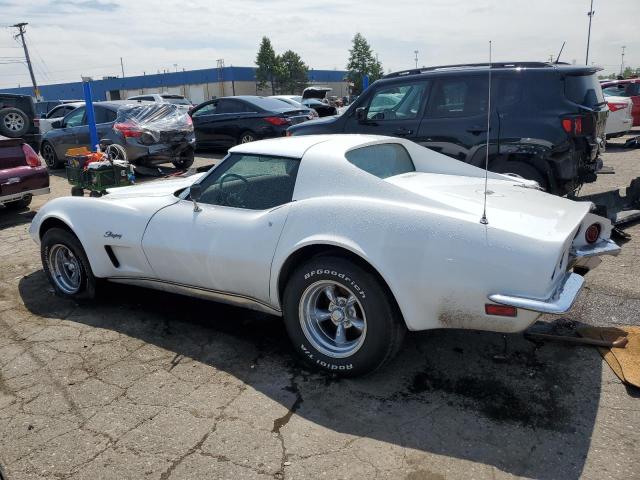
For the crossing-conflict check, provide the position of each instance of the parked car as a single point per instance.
(290, 101)
(625, 88)
(18, 118)
(312, 98)
(151, 133)
(620, 120)
(547, 120)
(180, 100)
(56, 114)
(22, 174)
(227, 121)
(352, 238)
(43, 107)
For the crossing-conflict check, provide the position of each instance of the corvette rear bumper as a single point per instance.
(560, 302)
(567, 291)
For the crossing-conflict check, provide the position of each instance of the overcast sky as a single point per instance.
(68, 38)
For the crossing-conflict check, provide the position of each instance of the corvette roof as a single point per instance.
(295, 147)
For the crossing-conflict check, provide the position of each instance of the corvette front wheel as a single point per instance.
(66, 265)
(340, 318)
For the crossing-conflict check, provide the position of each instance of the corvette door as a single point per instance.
(228, 245)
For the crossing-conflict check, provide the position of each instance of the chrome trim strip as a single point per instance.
(604, 247)
(198, 292)
(19, 195)
(560, 302)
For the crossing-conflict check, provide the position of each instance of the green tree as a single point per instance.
(267, 62)
(362, 62)
(292, 76)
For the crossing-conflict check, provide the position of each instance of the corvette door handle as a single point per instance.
(477, 130)
(403, 131)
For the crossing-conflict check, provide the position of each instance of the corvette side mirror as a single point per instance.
(195, 192)
(361, 113)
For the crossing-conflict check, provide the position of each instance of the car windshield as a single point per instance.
(313, 102)
(583, 90)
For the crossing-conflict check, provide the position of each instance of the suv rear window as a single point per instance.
(383, 160)
(583, 90)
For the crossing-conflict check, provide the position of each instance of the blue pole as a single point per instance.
(365, 82)
(91, 118)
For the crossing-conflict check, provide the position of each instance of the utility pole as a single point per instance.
(416, 59)
(622, 61)
(20, 27)
(590, 14)
(122, 67)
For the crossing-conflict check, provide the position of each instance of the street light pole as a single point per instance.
(590, 14)
(416, 53)
(622, 61)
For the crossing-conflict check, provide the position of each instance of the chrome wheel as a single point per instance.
(49, 155)
(332, 319)
(13, 121)
(64, 268)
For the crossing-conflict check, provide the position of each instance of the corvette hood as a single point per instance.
(153, 189)
(510, 206)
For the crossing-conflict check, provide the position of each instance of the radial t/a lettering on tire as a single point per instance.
(340, 317)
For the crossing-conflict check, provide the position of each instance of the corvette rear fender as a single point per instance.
(313, 247)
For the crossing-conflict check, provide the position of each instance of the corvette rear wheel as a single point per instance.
(66, 265)
(340, 318)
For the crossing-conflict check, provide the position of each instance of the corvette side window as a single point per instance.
(254, 182)
(382, 160)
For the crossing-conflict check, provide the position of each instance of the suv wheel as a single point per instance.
(523, 170)
(14, 123)
(49, 154)
(339, 318)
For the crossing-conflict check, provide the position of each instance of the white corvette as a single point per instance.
(352, 239)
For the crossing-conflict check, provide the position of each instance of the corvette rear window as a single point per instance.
(382, 160)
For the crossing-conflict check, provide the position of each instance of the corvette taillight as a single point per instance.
(31, 156)
(592, 233)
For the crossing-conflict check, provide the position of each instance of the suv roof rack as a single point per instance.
(416, 71)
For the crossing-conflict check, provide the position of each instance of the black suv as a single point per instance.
(547, 120)
(18, 118)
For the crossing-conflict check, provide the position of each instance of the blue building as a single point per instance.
(197, 85)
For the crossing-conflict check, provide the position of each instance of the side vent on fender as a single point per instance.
(112, 256)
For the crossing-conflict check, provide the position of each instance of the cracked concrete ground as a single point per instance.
(146, 385)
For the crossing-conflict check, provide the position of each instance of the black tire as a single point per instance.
(246, 137)
(14, 122)
(21, 204)
(185, 161)
(524, 170)
(50, 157)
(56, 237)
(77, 192)
(95, 194)
(384, 327)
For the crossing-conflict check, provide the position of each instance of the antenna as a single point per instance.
(484, 220)
(560, 52)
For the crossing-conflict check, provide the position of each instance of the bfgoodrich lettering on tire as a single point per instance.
(340, 318)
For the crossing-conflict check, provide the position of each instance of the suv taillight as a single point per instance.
(32, 158)
(572, 125)
(128, 129)
(278, 121)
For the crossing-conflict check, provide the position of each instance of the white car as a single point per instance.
(179, 100)
(56, 113)
(619, 120)
(353, 239)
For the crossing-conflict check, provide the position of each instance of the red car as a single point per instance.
(22, 175)
(626, 88)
